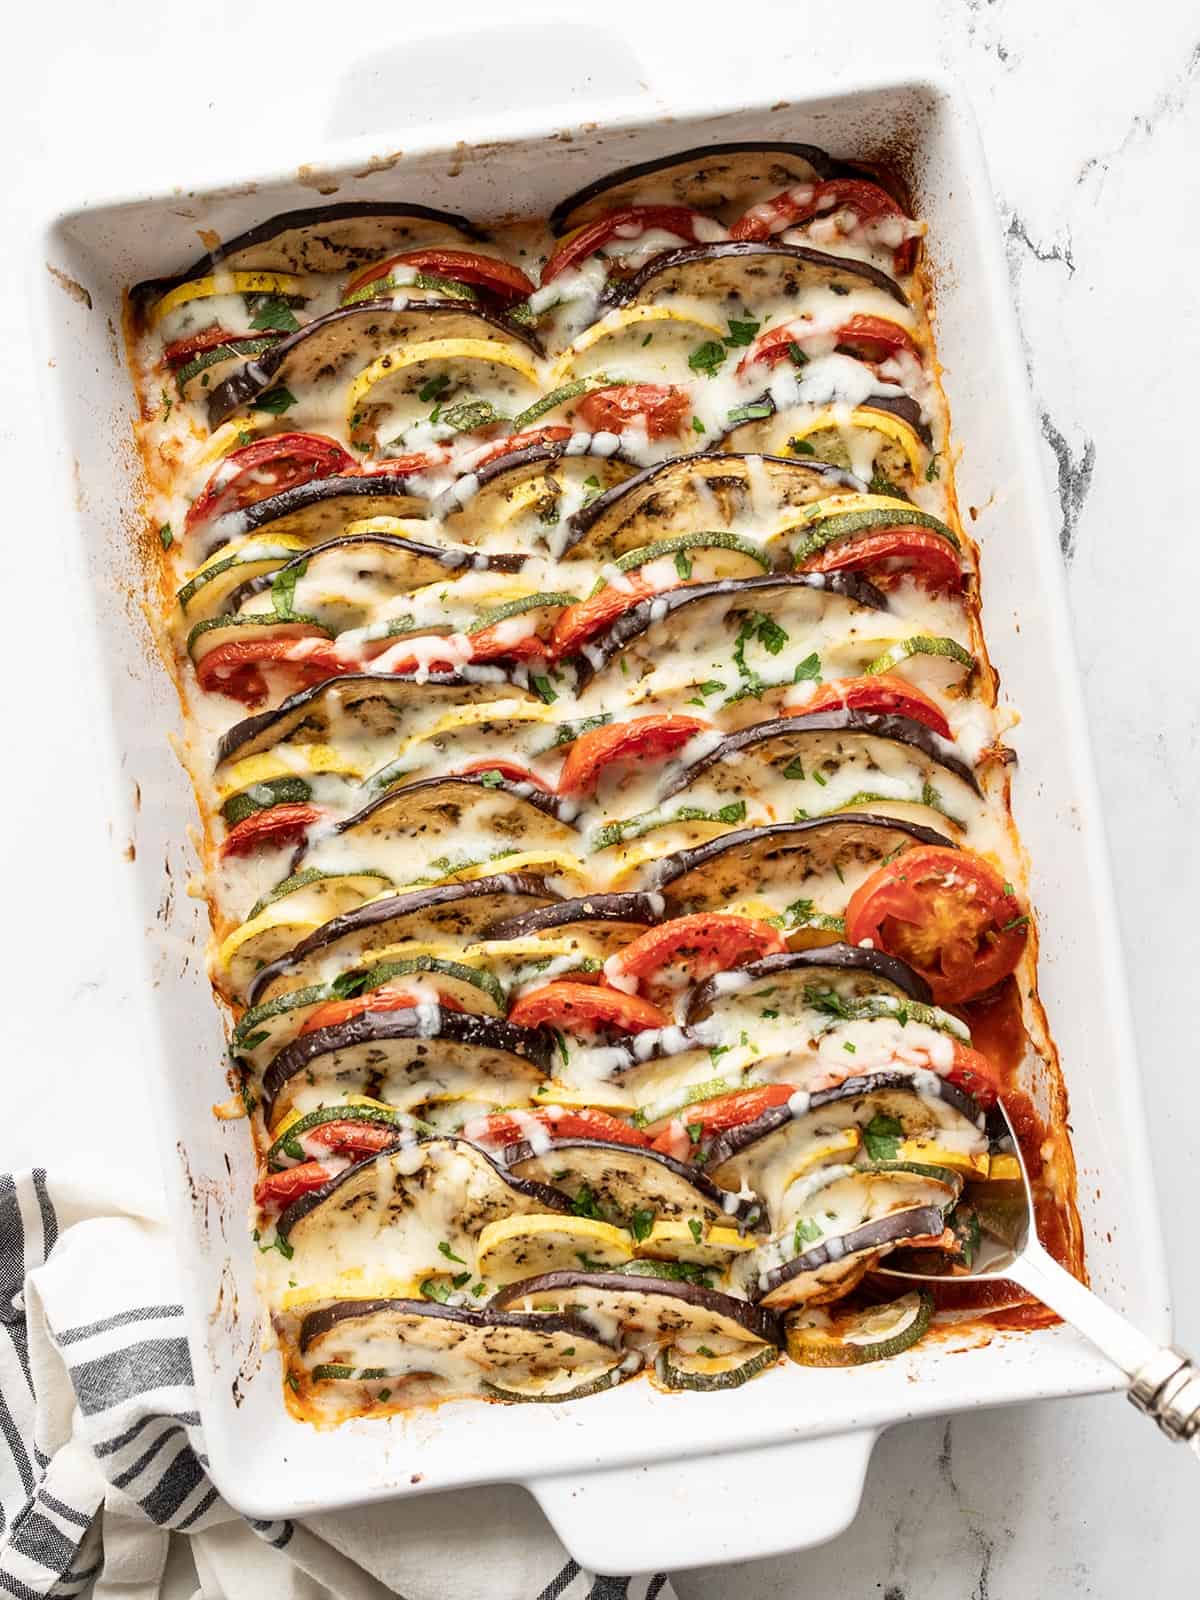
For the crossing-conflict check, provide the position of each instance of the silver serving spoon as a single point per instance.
(1163, 1382)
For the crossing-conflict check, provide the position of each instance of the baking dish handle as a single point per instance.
(710, 1509)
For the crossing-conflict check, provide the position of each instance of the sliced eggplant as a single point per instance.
(645, 1306)
(384, 1054)
(343, 342)
(737, 865)
(452, 912)
(438, 1184)
(320, 239)
(610, 919)
(534, 482)
(318, 510)
(819, 434)
(817, 743)
(794, 975)
(348, 577)
(616, 1181)
(366, 705)
(456, 1349)
(752, 274)
(432, 808)
(719, 179)
(767, 1153)
(699, 492)
(648, 635)
(836, 1265)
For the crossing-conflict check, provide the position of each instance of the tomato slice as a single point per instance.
(627, 224)
(266, 467)
(700, 945)
(234, 669)
(870, 339)
(661, 407)
(553, 433)
(388, 997)
(497, 644)
(642, 739)
(948, 914)
(353, 1138)
(502, 1128)
(578, 623)
(806, 201)
(512, 770)
(181, 351)
(975, 1075)
(931, 560)
(585, 1008)
(495, 277)
(269, 829)
(883, 692)
(708, 1117)
(279, 1189)
(403, 466)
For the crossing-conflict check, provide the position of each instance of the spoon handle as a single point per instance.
(1163, 1383)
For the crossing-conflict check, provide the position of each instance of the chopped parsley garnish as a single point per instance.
(433, 388)
(445, 1250)
(584, 1205)
(696, 1229)
(741, 333)
(932, 471)
(882, 1136)
(492, 779)
(808, 670)
(640, 1224)
(683, 564)
(801, 447)
(545, 689)
(708, 358)
(807, 1232)
(275, 401)
(753, 411)
(795, 355)
(165, 537)
(698, 426)
(795, 770)
(272, 312)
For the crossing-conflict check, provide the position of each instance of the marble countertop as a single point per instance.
(1091, 122)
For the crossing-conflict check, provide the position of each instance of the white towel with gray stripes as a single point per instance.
(102, 1454)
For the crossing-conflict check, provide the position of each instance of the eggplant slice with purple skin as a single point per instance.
(317, 510)
(800, 597)
(321, 239)
(720, 179)
(343, 342)
(820, 740)
(391, 564)
(921, 1102)
(677, 496)
(518, 814)
(844, 968)
(655, 1306)
(619, 1180)
(759, 429)
(382, 1190)
(709, 876)
(443, 912)
(746, 272)
(383, 1053)
(375, 702)
(477, 500)
(610, 919)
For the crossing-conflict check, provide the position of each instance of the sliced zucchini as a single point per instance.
(701, 556)
(213, 632)
(560, 1387)
(287, 1143)
(678, 1369)
(207, 590)
(332, 892)
(851, 1339)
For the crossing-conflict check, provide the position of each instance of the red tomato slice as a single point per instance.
(512, 770)
(551, 434)
(499, 278)
(584, 1008)
(501, 1128)
(806, 201)
(974, 1073)
(496, 644)
(883, 692)
(932, 560)
(389, 997)
(234, 669)
(181, 351)
(269, 829)
(948, 914)
(353, 1138)
(662, 407)
(642, 739)
(578, 623)
(279, 1189)
(871, 339)
(627, 224)
(402, 466)
(701, 945)
(266, 467)
(708, 1117)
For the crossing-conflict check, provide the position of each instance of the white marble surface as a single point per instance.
(1091, 120)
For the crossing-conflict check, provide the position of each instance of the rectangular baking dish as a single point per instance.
(631, 1479)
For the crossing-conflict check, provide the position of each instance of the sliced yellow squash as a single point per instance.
(597, 346)
(518, 1247)
(404, 372)
(223, 283)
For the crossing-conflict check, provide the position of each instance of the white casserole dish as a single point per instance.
(632, 1479)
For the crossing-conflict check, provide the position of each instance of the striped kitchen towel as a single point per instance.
(103, 1453)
